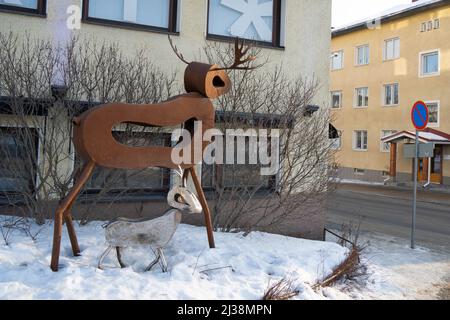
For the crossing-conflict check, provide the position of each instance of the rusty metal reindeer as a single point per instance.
(96, 146)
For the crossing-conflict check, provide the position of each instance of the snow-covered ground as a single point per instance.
(243, 267)
(240, 268)
(395, 271)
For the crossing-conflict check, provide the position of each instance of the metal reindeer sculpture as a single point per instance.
(96, 146)
(154, 233)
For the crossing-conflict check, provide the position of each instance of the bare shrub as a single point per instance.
(352, 268)
(39, 164)
(281, 290)
(243, 199)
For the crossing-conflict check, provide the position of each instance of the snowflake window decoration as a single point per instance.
(242, 18)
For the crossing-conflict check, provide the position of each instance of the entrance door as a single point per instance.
(435, 164)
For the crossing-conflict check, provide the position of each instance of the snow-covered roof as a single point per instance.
(428, 136)
(389, 14)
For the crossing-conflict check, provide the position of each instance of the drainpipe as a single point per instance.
(429, 174)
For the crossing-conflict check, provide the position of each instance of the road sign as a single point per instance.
(420, 115)
(426, 150)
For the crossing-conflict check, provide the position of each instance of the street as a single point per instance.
(388, 211)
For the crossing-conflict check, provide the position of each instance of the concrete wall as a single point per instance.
(404, 71)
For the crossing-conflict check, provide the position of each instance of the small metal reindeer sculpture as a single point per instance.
(154, 233)
(96, 146)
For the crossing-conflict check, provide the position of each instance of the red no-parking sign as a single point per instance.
(420, 115)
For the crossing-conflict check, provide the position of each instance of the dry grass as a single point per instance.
(350, 268)
(281, 290)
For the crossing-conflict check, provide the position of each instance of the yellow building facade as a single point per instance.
(379, 69)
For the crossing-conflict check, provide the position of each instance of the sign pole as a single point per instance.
(416, 170)
(420, 115)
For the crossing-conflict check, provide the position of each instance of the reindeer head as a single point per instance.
(212, 81)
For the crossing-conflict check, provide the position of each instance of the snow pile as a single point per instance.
(240, 267)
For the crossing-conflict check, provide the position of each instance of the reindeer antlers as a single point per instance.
(175, 49)
(240, 52)
(239, 57)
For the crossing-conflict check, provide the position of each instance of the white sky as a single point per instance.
(348, 11)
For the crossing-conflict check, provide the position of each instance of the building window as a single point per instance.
(430, 25)
(360, 140)
(133, 181)
(237, 176)
(362, 97)
(437, 23)
(19, 153)
(391, 94)
(359, 171)
(362, 55)
(429, 63)
(27, 6)
(336, 143)
(259, 20)
(337, 60)
(391, 49)
(433, 108)
(423, 27)
(386, 147)
(336, 99)
(158, 15)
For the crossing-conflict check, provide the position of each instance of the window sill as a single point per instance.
(360, 150)
(333, 70)
(363, 108)
(393, 59)
(390, 105)
(261, 44)
(362, 65)
(127, 26)
(23, 11)
(429, 75)
(336, 108)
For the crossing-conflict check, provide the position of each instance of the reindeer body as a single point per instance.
(94, 141)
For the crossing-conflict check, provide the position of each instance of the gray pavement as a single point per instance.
(388, 210)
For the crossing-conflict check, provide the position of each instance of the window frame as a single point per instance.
(392, 131)
(355, 138)
(41, 9)
(339, 140)
(36, 132)
(383, 94)
(277, 27)
(342, 60)
(357, 64)
(438, 103)
(422, 54)
(340, 99)
(385, 58)
(172, 22)
(355, 102)
(436, 24)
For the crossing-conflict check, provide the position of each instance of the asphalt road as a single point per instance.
(388, 211)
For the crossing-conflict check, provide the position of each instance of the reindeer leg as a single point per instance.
(154, 262)
(119, 257)
(204, 203)
(162, 261)
(103, 256)
(63, 207)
